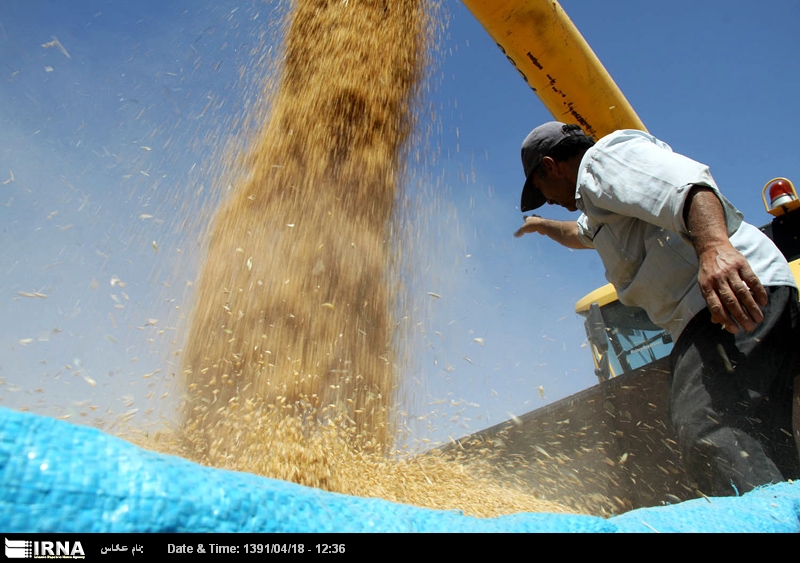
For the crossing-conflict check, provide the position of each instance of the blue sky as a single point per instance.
(109, 141)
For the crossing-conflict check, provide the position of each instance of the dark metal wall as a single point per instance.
(609, 448)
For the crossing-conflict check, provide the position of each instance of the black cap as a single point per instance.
(537, 145)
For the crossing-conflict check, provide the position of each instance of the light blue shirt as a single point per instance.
(631, 191)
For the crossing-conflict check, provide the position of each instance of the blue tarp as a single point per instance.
(59, 477)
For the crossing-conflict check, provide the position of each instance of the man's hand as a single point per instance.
(532, 225)
(563, 232)
(731, 289)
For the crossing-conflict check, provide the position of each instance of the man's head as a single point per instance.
(543, 152)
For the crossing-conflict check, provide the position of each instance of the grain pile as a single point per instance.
(288, 368)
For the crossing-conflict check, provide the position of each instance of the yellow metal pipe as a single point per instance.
(555, 60)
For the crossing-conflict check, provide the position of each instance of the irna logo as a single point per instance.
(26, 549)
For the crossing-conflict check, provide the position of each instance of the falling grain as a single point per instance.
(289, 364)
(340, 118)
(36, 294)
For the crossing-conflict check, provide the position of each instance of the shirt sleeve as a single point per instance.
(633, 174)
(586, 231)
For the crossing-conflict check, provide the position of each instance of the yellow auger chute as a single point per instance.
(552, 56)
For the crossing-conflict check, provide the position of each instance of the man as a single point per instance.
(674, 246)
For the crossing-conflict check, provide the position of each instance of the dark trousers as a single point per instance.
(731, 399)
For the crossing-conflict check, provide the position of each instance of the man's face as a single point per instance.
(556, 186)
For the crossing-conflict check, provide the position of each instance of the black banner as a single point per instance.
(138, 546)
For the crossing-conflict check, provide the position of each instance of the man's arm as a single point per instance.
(563, 232)
(729, 286)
